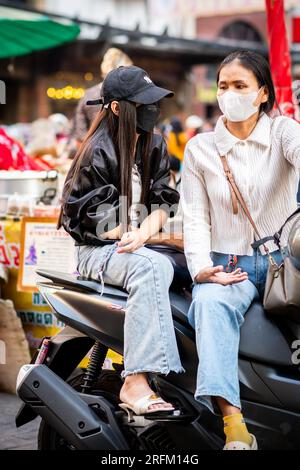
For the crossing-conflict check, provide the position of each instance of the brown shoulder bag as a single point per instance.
(282, 290)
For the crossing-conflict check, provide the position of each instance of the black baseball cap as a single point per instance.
(130, 83)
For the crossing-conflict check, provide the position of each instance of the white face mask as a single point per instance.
(238, 106)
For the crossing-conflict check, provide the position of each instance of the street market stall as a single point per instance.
(26, 190)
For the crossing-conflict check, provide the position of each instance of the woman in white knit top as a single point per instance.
(264, 157)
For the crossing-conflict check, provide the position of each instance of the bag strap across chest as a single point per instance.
(237, 197)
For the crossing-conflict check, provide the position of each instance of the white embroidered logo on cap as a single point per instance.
(148, 79)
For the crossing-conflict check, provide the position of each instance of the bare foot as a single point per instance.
(135, 387)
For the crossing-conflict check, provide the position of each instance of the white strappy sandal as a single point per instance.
(238, 445)
(141, 406)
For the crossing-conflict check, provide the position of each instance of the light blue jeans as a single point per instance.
(217, 313)
(149, 336)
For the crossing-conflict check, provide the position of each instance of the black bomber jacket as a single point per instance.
(94, 198)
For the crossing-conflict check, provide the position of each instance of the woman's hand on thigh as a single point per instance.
(217, 275)
(131, 241)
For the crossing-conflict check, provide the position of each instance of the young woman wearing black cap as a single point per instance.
(116, 197)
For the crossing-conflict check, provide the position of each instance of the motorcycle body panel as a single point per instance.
(269, 380)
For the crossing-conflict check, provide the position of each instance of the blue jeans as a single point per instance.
(217, 313)
(149, 336)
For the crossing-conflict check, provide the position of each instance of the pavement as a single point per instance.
(24, 438)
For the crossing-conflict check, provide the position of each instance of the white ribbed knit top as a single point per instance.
(265, 167)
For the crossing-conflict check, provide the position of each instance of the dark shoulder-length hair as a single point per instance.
(260, 68)
(122, 131)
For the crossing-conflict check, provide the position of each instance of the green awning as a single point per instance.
(23, 32)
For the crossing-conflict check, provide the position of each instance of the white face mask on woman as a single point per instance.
(238, 106)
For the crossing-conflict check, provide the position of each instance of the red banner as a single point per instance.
(296, 29)
(280, 59)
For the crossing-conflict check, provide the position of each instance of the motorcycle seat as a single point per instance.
(262, 338)
(182, 278)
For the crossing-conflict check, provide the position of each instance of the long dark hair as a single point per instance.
(122, 131)
(261, 69)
